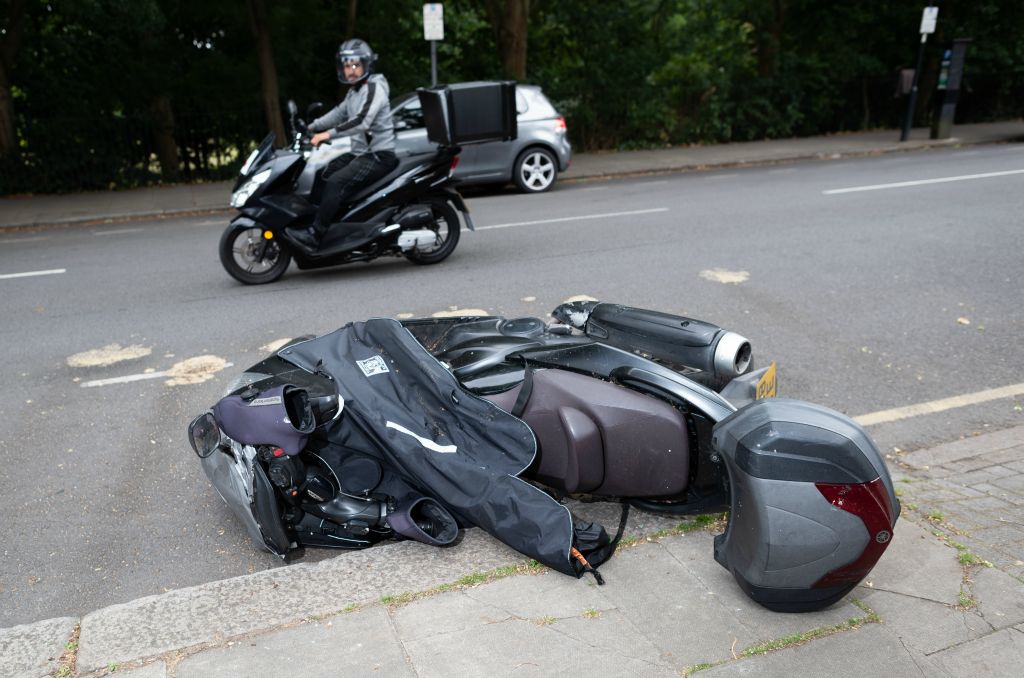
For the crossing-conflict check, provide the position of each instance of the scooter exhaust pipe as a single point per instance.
(414, 216)
(673, 338)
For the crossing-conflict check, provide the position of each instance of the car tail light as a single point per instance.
(560, 125)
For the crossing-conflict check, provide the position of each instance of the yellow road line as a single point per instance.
(942, 405)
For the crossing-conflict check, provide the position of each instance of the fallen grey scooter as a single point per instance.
(497, 420)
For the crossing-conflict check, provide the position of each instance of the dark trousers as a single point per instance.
(345, 176)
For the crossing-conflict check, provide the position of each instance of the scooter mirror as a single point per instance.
(292, 108)
(314, 110)
(326, 408)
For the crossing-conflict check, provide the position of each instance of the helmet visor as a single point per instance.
(351, 68)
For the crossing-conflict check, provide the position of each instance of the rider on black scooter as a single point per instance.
(364, 115)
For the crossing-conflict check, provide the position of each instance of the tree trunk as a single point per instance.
(268, 71)
(8, 131)
(163, 136)
(509, 19)
(769, 38)
(350, 21)
(10, 40)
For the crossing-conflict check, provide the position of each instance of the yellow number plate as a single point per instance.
(766, 384)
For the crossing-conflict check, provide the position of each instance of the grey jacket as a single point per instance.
(365, 115)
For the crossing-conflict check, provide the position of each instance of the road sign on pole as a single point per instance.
(433, 30)
(433, 21)
(929, 17)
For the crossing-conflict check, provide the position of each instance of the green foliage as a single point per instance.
(90, 75)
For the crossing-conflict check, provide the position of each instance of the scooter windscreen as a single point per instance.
(813, 505)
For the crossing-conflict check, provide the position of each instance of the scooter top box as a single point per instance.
(469, 112)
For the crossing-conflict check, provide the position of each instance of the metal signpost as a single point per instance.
(928, 19)
(433, 30)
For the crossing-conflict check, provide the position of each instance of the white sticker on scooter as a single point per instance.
(272, 400)
(372, 366)
(425, 442)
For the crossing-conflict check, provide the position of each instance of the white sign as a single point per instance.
(433, 21)
(372, 366)
(928, 19)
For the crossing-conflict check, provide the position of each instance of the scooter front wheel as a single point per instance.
(446, 226)
(250, 258)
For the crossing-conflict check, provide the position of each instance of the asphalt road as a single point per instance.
(868, 300)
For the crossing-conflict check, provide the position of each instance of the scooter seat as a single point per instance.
(597, 437)
(404, 165)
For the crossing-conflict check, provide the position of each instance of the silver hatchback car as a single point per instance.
(532, 161)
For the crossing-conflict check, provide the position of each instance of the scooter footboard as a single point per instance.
(813, 507)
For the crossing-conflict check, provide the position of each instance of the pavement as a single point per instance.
(946, 599)
(186, 199)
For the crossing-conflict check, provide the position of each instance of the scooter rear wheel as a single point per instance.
(446, 225)
(250, 258)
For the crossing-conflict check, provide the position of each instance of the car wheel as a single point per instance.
(535, 170)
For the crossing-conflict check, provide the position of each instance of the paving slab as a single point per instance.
(1000, 597)
(999, 655)
(549, 594)
(867, 652)
(924, 625)
(917, 565)
(32, 650)
(521, 647)
(361, 643)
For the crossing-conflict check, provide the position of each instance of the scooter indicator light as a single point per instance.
(267, 235)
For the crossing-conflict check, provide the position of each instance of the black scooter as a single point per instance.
(411, 212)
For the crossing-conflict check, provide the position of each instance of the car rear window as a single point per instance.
(533, 105)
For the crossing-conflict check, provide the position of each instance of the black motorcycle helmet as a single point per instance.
(355, 51)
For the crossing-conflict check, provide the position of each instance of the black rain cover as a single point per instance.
(452, 445)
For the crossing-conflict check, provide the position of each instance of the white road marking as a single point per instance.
(178, 374)
(921, 182)
(942, 405)
(582, 217)
(32, 239)
(118, 231)
(122, 380)
(27, 274)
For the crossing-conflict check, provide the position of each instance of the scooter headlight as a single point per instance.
(242, 195)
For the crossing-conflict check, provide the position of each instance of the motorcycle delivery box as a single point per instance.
(469, 112)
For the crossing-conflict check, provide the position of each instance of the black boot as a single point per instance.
(308, 237)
